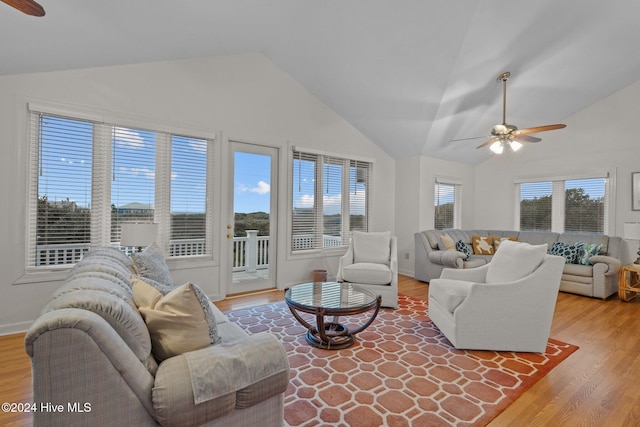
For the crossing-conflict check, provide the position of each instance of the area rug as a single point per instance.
(401, 372)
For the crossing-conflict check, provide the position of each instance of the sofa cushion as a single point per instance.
(497, 240)
(150, 263)
(587, 250)
(371, 247)
(482, 245)
(464, 248)
(514, 260)
(369, 273)
(448, 242)
(568, 251)
(449, 293)
(179, 321)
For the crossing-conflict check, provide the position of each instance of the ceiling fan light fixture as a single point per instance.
(497, 147)
(515, 145)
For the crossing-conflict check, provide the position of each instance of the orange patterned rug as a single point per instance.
(400, 372)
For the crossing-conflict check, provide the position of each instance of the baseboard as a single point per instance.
(409, 273)
(14, 328)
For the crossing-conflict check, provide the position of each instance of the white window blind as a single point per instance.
(133, 178)
(188, 196)
(446, 201)
(60, 213)
(329, 199)
(565, 205)
(586, 205)
(535, 206)
(87, 178)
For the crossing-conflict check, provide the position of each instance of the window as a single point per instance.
(446, 201)
(330, 200)
(89, 177)
(565, 205)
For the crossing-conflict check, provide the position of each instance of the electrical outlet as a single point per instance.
(406, 255)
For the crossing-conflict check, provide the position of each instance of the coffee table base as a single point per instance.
(338, 337)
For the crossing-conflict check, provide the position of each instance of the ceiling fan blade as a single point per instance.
(526, 138)
(467, 139)
(539, 129)
(30, 7)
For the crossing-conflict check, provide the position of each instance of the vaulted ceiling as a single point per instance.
(411, 75)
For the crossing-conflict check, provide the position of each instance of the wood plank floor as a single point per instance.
(599, 385)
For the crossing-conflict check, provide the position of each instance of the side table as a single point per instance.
(629, 282)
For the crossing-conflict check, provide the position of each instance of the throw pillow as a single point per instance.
(482, 245)
(150, 263)
(587, 250)
(179, 321)
(461, 246)
(371, 247)
(514, 260)
(448, 242)
(569, 252)
(498, 240)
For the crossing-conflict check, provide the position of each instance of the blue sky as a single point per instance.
(252, 183)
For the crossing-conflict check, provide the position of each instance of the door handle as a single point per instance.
(229, 236)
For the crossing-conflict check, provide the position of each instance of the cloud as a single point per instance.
(128, 138)
(261, 188)
(137, 172)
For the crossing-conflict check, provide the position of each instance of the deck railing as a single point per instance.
(249, 253)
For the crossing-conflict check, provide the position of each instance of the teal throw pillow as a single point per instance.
(587, 250)
(566, 250)
(462, 247)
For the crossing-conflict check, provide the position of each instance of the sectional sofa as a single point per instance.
(596, 277)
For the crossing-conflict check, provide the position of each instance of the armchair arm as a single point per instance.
(345, 260)
(477, 274)
(613, 264)
(452, 259)
(199, 386)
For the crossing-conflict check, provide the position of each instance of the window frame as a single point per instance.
(457, 200)
(558, 198)
(101, 175)
(348, 162)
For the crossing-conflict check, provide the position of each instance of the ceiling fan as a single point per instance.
(509, 136)
(30, 7)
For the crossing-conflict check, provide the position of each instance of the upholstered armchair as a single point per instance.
(507, 304)
(371, 262)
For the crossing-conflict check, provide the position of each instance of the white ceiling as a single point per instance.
(411, 74)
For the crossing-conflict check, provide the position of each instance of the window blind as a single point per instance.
(446, 201)
(576, 205)
(88, 177)
(133, 178)
(330, 199)
(586, 205)
(188, 196)
(535, 206)
(61, 215)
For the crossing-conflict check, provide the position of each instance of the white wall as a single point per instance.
(415, 179)
(242, 97)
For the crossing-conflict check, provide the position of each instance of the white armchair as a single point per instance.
(506, 305)
(371, 262)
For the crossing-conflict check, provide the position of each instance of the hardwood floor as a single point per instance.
(598, 385)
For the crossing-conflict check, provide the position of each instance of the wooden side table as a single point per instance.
(629, 282)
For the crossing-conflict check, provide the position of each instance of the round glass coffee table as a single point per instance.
(331, 299)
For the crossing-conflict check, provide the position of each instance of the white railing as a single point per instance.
(249, 253)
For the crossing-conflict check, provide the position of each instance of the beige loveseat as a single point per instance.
(92, 360)
(597, 279)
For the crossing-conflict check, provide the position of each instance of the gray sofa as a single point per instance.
(599, 279)
(91, 353)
